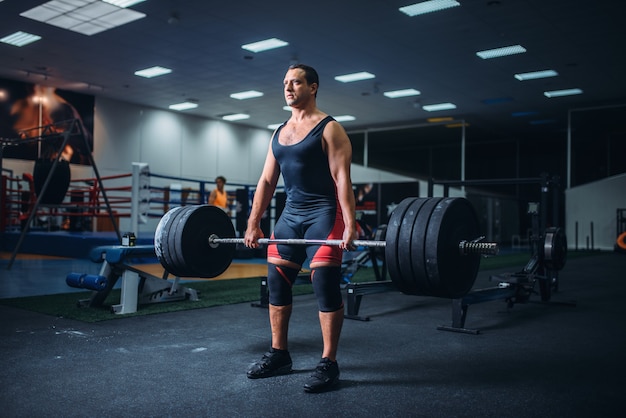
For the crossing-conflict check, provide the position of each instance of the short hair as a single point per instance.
(220, 178)
(310, 74)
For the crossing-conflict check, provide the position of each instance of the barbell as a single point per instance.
(431, 245)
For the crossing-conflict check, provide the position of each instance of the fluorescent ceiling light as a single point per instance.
(264, 45)
(501, 52)
(428, 6)
(344, 118)
(348, 78)
(401, 93)
(439, 106)
(20, 38)
(184, 105)
(153, 72)
(87, 17)
(287, 108)
(559, 93)
(274, 126)
(536, 74)
(236, 116)
(123, 3)
(250, 94)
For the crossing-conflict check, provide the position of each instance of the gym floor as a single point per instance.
(533, 360)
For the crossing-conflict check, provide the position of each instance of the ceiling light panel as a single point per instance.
(560, 93)
(87, 17)
(265, 45)
(439, 106)
(395, 94)
(501, 52)
(536, 74)
(153, 72)
(184, 106)
(246, 95)
(20, 38)
(123, 3)
(428, 7)
(349, 78)
(236, 116)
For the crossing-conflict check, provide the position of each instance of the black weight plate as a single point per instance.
(161, 235)
(555, 248)
(392, 240)
(200, 258)
(451, 274)
(179, 267)
(421, 285)
(404, 247)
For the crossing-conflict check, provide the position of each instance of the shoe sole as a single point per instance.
(280, 371)
(321, 388)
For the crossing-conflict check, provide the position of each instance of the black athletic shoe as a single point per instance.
(273, 363)
(325, 376)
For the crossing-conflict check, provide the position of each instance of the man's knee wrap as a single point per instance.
(280, 280)
(326, 284)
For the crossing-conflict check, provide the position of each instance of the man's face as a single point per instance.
(296, 88)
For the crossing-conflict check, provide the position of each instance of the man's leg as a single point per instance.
(279, 322)
(277, 360)
(326, 281)
(331, 323)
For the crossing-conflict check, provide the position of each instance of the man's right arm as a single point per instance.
(262, 197)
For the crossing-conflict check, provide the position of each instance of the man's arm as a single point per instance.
(262, 197)
(212, 197)
(339, 150)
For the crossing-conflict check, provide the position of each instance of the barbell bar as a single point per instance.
(214, 241)
(430, 244)
(465, 247)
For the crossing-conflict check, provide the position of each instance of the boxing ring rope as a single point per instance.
(64, 130)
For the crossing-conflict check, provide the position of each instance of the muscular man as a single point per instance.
(313, 153)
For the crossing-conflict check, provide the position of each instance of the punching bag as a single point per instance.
(59, 183)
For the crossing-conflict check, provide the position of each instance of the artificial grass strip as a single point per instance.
(211, 293)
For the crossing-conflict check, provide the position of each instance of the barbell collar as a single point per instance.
(483, 248)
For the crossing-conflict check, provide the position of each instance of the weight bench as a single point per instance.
(138, 287)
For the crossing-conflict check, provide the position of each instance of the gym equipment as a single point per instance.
(138, 287)
(86, 281)
(431, 245)
(549, 252)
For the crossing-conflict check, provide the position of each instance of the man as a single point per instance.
(313, 153)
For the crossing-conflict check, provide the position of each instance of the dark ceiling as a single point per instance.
(433, 53)
(201, 40)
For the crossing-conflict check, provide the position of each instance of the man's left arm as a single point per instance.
(339, 150)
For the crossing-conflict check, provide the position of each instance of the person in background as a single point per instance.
(218, 196)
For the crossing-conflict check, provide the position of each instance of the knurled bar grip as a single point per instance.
(214, 240)
(465, 247)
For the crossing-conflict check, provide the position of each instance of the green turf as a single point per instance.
(211, 293)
